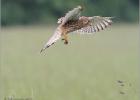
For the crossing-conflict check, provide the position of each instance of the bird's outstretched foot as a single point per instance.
(66, 42)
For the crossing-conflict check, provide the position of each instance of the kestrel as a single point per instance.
(73, 22)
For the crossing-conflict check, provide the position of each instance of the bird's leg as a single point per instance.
(65, 38)
(62, 39)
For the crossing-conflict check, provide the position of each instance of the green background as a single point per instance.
(88, 68)
(47, 11)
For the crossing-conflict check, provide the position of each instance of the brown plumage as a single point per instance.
(73, 22)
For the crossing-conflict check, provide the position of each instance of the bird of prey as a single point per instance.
(73, 22)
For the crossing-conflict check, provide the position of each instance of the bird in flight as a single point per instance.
(73, 22)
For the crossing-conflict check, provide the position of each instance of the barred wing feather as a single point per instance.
(53, 39)
(97, 23)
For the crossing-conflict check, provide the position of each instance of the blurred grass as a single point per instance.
(86, 69)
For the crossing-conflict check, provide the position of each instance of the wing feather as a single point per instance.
(53, 39)
(71, 15)
(97, 23)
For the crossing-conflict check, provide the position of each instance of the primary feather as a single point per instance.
(56, 36)
(96, 24)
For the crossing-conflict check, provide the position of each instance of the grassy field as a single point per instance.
(104, 66)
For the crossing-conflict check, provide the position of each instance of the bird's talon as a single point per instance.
(66, 42)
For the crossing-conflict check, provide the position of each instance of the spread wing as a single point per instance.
(71, 15)
(96, 24)
(53, 39)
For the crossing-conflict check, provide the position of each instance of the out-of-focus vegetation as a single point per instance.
(47, 11)
(88, 68)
